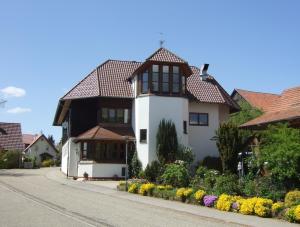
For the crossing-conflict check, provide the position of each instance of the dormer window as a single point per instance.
(145, 78)
(155, 78)
(162, 80)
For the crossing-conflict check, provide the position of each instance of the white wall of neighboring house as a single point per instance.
(149, 111)
(41, 146)
(70, 157)
(106, 170)
(200, 136)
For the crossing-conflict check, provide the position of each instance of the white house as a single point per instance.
(41, 149)
(123, 101)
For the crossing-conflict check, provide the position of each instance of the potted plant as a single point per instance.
(86, 176)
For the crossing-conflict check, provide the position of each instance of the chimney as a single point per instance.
(203, 72)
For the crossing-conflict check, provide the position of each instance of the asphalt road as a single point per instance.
(31, 198)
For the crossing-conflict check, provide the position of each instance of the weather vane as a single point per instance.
(161, 41)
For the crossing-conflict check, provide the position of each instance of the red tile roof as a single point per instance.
(108, 132)
(11, 136)
(110, 80)
(258, 100)
(285, 107)
(28, 138)
(37, 138)
(164, 55)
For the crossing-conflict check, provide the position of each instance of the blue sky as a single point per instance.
(46, 47)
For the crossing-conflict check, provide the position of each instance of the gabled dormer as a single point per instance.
(163, 73)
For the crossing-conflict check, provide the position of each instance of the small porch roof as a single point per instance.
(108, 132)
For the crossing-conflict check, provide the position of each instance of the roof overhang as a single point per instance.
(61, 111)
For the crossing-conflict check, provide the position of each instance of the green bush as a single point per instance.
(176, 175)
(48, 163)
(153, 171)
(228, 184)
(9, 159)
(290, 214)
(136, 165)
(292, 198)
(205, 178)
(185, 154)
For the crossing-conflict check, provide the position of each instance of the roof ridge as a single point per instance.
(131, 61)
(267, 93)
(163, 48)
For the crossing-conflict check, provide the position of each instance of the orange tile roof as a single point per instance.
(11, 136)
(107, 132)
(258, 100)
(28, 138)
(286, 107)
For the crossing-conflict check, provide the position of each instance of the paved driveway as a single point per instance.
(45, 197)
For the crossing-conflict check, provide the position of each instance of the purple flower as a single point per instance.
(235, 206)
(209, 200)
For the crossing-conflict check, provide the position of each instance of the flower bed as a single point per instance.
(248, 206)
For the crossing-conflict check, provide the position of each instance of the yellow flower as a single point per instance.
(146, 188)
(277, 207)
(263, 207)
(247, 206)
(297, 213)
(224, 202)
(199, 195)
(161, 187)
(179, 192)
(133, 188)
(169, 187)
(188, 192)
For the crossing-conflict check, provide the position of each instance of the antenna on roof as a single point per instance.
(161, 41)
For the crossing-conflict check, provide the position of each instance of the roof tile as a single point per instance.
(11, 136)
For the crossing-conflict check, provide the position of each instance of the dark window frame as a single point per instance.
(143, 135)
(198, 119)
(145, 82)
(115, 120)
(185, 127)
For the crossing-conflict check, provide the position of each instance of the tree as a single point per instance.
(166, 141)
(279, 152)
(230, 141)
(246, 113)
(51, 139)
(136, 165)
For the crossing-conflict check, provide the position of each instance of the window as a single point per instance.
(165, 79)
(176, 79)
(145, 82)
(184, 127)
(123, 171)
(199, 119)
(143, 135)
(183, 84)
(84, 151)
(155, 78)
(104, 115)
(115, 115)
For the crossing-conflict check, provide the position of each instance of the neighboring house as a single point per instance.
(123, 101)
(41, 148)
(28, 139)
(11, 137)
(276, 108)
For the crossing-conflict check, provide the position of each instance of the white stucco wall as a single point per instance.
(200, 136)
(39, 147)
(72, 149)
(149, 111)
(106, 170)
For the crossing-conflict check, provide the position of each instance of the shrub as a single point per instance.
(185, 154)
(136, 165)
(263, 207)
(184, 193)
(146, 189)
(292, 198)
(176, 175)
(209, 200)
(47, 163)
(133, 188)
(153, 171)
(226, 184)
(199, 196)
(290, 214)
(277, 208)
(297, 213)
(166, 141)
(9, 159)
(230, 140)
(280, 149)
(205, 178)
(224, 202)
